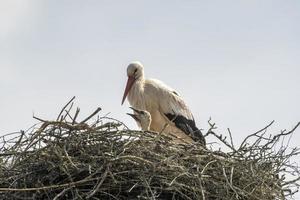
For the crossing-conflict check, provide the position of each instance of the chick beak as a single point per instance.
(134, 116)
(135, 110)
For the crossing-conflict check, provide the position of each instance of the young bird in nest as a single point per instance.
(142, 118)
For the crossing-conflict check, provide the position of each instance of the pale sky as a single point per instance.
(235, 61)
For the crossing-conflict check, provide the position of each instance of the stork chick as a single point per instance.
(142, 118)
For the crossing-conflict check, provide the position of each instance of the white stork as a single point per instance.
(162, 102)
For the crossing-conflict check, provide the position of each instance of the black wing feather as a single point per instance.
(188, 126)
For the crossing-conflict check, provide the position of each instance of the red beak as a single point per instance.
(129, 84)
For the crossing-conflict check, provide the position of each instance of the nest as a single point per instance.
(102, 159)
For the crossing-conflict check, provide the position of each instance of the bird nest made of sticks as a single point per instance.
(102, 159)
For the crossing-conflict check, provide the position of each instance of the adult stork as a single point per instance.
(164, 104)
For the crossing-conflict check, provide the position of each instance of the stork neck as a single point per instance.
(137, 87)
(140, 80)
(140, 77)
(136, 94)
(139, 74)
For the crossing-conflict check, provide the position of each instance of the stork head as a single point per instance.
(135, 71)
(142, 117)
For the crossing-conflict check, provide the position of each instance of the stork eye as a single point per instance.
(135, 71)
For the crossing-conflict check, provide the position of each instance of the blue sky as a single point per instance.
(235, 61)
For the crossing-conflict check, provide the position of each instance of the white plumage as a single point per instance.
(162, 102)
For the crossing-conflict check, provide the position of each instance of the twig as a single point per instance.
(63, 109)
(255, 134)
(89, 117)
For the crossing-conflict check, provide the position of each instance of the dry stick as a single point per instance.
(231, 175)
(17, 144)
(231, 139)
(13, 153)
(37, 133)
(134, 158)
(223, 140)
(152, 193)
(62, 110)
(202, 190)
(100, 181)
(61, 193)
(211, 128)
(2, 136)
(260, 139)
(220, 137)
(39, 119)
(47, 187)
(89, 117)
(109, 118)
(289, 140)
(54, 123)
(228, 183)
(75, 116)
(68, 157)
(174, 179)
(67, 111)
(204, 168)
(255, 134)
(107, 125)
(282, 134)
